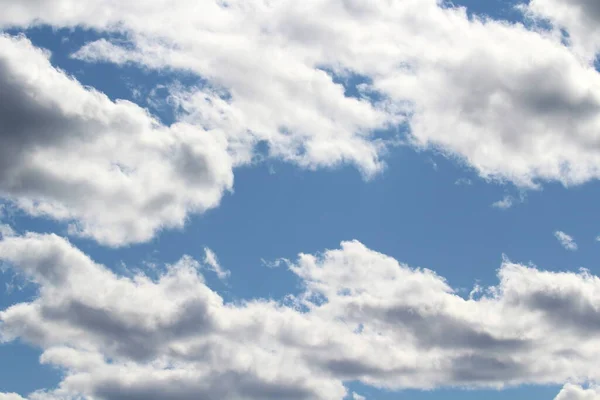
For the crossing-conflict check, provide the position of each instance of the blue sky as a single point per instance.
(433, 202)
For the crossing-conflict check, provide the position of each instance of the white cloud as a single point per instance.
(454, 79)
(10, 396)
(448, 72)
(6, 230)
(383, 324)
(210, 259)
(580, 18)
(565, 240)
(576, 392)
(356, 396)
(108, 168)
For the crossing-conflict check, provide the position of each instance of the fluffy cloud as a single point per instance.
(514, 103)
(382, 323)
(575, 392)
(579, 17)
(10, 396)
(565, 240)
(109, 168)
(525, 112)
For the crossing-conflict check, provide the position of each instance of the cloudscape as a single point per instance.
(319, 199)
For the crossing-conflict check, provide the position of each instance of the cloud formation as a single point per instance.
(565, 240)
(382, 323)
(580, 18)
(576, 392)
(456, 78)
(108, 168)
(523, 113)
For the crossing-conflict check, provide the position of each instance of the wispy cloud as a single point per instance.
(504, 204)
(463, 181)
(566, 240)
(276, 263)
(212, 262)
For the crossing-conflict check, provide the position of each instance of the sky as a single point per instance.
(327, 199)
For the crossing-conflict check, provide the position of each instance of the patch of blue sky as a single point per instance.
(496, 9)
(521, 393)
(23, 373)
(355, 85)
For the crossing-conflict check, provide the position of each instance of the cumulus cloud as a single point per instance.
(457, 79)
(361, 316)
(565, 240)
(576, 392)
(108, 168)
(514, 103)
(10, 396)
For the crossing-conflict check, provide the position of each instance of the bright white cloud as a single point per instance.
(10, 396)
(268, 65)
(576, 392)
(565, 240)
(108, 168)
(515, 104)
(135, 176)
(383, 324)
(457, 78)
